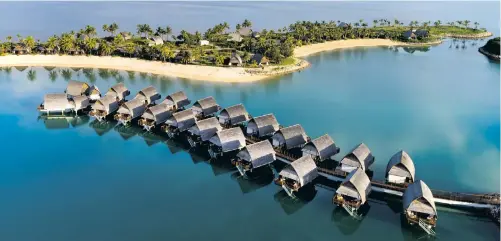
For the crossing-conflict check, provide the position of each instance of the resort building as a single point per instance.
(321, 148)
(131, 110)
(254, 156)
(259, 59)
(343, 25)
(234, 60)
(179, 122)
(245, 32)
(235, 37)
(204, 42)
(234, 115)
(80, 103)
(155, 116)
(149, 95)
(227, 140)
(400, 169)
(353, 191)
(290, 137)
(205, 107)
(419, 206)
(156, 40)
(263, 126)
(203, 130)
(76, 88)
(55, 104)
(119, 91)
(177, 100)
(297, 174)
(105, 107)
(359, 157)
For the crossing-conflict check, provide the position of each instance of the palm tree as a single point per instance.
(238, 27)
(185, 57)
(166, 53)
(130, 48)
(396, 22)
(90, 31)
(476, 25)
(67, 42)
(105, 48)
(29, 42)
(168, 31)
(160, 32)
(246, 23)
(105, 28)
(466, 23)
(66, 73)
(19, 38)
(113, 28)
(9, 39)
(118, 41)
(90, 44)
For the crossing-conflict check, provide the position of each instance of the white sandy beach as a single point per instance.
(205, 73)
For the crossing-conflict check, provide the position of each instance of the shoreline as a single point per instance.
(198, 72)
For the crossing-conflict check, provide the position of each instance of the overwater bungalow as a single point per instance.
(119, 91)
(254, 156)
(155, 116)
(226, 141)
(290, 137)
(179, 122)
(400, 169)
(177, 100)
(203, 130)
(149, 95)
(80, 103)
(297, 175)
(55, 104)
(234, 115)
(205, 107)
(76, 88)
(131, 110)
(263, 126)
(353, 191)
(419, 206)
(359, 157)
(321, 148)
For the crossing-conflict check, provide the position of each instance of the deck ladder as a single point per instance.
(192, 142)
(426, 227)
(352, 211)
(241, 169)
(288, 191)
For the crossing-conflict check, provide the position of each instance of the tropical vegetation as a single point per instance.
(218, 44)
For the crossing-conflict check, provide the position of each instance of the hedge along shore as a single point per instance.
(200, 72)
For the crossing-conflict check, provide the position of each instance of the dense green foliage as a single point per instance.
(276, 45)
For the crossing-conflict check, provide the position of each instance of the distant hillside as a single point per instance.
(491, 49)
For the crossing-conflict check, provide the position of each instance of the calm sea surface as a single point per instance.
(72, 180)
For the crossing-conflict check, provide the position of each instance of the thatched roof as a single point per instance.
(360, 156)
(260, 59)
(235, 37)
(178, 99)
(259, 154)
(293, 136)
(108, 103)
(323, 146)
(402, 165)
(119, 90)
(206, 106)
(182, 120)
(235, 114)
(76, 88)
(247, 32)
(303, 170)
(419, 198)
(159, 113)
(229, 139)
(263, 125)
(206, 128)
(356, 185)
(149, 94)
(56, 102)
(80, 102)
(134, 107)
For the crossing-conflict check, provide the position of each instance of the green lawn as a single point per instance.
(288, 61)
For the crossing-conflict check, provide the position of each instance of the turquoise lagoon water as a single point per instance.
(71, 180)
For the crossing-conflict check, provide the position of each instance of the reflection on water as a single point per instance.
(292, 205)
(63, 122)
(264, 178)
(127, 132)
(347, 224)
(102, 127)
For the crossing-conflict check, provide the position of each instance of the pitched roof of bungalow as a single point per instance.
(401, 164)
(207, 105)
(325, 146)
(229, 139)
(360, 181)
(206, 128)
(259, 154)
(75, 88)
(419, 198)
(303, 170)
